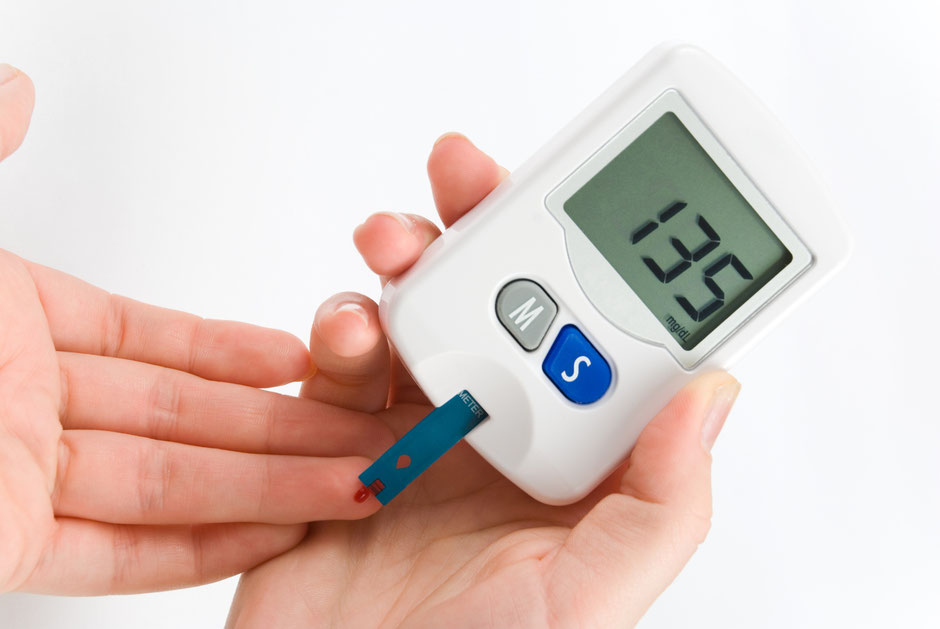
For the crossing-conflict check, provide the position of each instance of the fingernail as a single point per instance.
(353, 307)
(406, 221)
(339, 343)
(722, 400)
(7, 73)
(449, 134)
(328, 310)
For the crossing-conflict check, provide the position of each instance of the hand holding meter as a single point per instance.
(660, 234)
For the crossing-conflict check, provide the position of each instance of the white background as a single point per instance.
(215, 157)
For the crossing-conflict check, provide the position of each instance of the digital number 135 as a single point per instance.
(688, 257)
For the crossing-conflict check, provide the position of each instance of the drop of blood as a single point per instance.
(363, 494)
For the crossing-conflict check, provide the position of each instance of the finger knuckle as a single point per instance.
(126, 557)
(267, 415)
(200, 554)
(165, 406)
(265, 486)
(155, 475)
(699, 523)
(115, 322)
(686, 527)
(199, 336)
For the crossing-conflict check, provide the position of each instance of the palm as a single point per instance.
(29, 388)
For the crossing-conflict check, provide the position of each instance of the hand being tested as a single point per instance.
(462, 546)
(135, 451)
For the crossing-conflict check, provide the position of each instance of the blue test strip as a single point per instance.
(422, 445)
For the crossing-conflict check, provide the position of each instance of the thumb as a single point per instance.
(350, 353)
(16, 107)
(634, 542)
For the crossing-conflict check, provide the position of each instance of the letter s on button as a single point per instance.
(576, 368)
(577, 362)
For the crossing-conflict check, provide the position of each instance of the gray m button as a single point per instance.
(526, 311)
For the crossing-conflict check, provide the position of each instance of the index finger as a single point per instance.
(125, 479)
(16, 108)
(461, 175)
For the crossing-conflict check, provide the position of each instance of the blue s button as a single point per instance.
(576, 368)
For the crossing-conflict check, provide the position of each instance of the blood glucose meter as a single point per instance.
(661, 233)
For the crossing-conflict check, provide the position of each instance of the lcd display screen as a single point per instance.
(676, 229)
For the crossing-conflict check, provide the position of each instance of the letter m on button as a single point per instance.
(524, 314)
(526, 311)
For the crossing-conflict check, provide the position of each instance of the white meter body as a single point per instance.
(661, 233)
